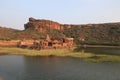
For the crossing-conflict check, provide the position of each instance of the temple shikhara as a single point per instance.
(48, 34)
(48, 42)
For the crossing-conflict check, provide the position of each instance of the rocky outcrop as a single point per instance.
(106, 33)
(44, 25)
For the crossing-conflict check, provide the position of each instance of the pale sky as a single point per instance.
(15, 13)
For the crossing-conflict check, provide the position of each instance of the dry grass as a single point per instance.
(62, 53)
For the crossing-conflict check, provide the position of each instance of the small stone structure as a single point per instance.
(47, 43)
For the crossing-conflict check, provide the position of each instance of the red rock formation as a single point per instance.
(44, 25)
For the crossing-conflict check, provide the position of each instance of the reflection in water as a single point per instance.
(55, 68)
(104, 50)
(39, 68)
(1, 78)
(100, 50)
(11, 67)
(47, 68)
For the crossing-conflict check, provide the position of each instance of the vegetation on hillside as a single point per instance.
(101, 34)
(12, 34)
(8, 33)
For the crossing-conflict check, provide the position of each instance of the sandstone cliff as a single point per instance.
(106, 33)
(44, 25)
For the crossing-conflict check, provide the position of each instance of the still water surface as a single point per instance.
(102, 50)
(13, 67)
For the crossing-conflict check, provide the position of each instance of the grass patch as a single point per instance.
(62, 53)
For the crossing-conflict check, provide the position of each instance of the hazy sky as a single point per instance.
(15, 13)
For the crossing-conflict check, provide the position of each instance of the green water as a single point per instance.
(101, 50)
(13, 67)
